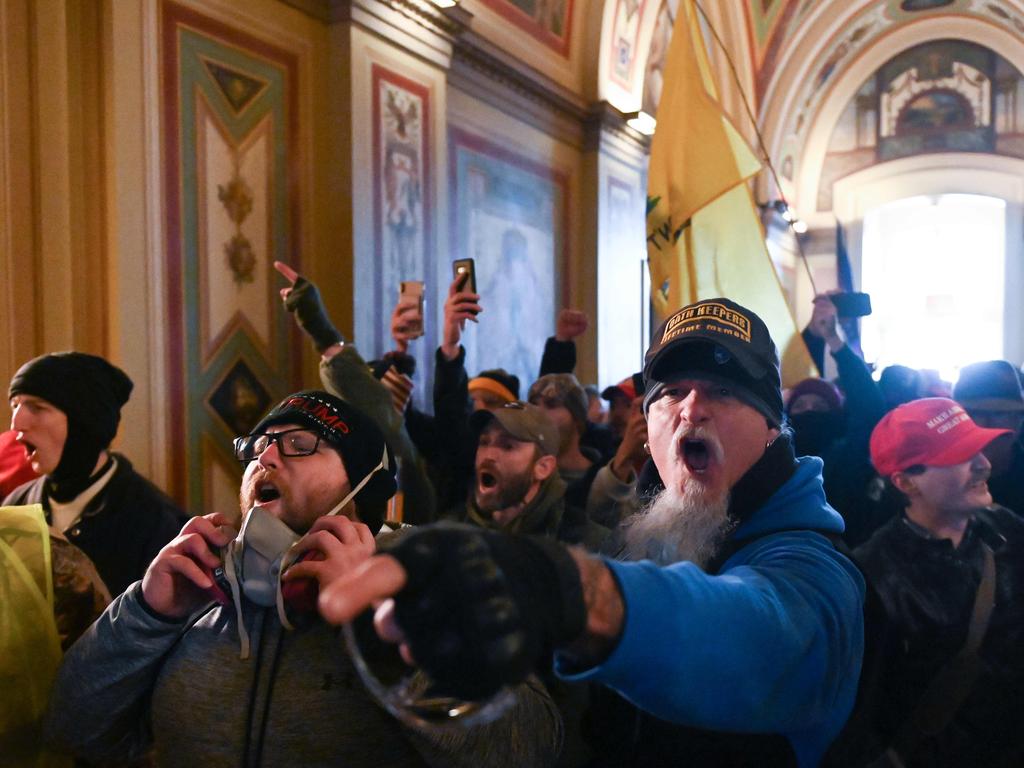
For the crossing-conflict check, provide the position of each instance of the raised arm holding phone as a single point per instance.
(344, 372)
(462, 304)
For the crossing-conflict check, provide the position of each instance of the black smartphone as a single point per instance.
(852, 304)
(465, 269)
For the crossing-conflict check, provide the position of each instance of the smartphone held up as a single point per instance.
(464, 274)
(464, 270)
(410, 295)
(851, 304)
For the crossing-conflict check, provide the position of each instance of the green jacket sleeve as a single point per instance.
(347, 375)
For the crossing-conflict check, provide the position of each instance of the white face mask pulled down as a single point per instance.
(256, 558)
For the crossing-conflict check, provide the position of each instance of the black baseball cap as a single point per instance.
(720, 340)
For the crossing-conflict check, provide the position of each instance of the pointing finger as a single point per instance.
(289, 274)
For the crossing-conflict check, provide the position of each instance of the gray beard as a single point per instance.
(675, 527)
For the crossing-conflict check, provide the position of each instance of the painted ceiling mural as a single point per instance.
(863, 29)
(940, 96)
(771, 24)
(776, 28)
(657, 52)
(955, 99)
(768, 22)
(764, 17)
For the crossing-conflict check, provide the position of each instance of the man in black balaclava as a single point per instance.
(66, 408)
(814, 409)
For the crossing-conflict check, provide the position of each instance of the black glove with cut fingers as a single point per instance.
(480, 609)
(304, 301)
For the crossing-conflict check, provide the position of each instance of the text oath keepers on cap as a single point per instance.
(725, 320)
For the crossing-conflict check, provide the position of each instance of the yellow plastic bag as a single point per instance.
(29, 644)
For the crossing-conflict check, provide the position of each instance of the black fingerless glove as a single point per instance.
(305, 303)
(481, 608)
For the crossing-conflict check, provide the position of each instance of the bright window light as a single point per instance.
(934, 268)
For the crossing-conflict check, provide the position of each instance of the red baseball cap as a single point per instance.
(934, 431)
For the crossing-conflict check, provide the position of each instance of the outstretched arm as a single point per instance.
(792, 614)
(572, 599)
(302, 298)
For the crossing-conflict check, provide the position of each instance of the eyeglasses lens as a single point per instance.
(292, 442)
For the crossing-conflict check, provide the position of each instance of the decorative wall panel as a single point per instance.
(509, 213)
(623, 284)
(402, 178)
(232, 208)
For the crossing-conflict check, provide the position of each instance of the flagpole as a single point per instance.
(760, 140)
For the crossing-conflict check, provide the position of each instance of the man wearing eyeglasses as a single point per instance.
(217, 655)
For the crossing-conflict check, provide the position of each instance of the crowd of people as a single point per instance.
(690, 567)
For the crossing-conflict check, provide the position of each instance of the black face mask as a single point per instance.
(815, 431)
(74, 473)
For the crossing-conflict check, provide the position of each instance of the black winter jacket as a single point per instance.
(927, 587)
(122, 529)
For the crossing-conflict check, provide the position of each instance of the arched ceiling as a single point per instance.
(813, 55)
(780, 30)
(797, 62)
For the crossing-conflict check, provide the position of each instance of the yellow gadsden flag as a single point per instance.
(704, 237)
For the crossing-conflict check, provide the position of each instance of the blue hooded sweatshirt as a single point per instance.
(771, 644)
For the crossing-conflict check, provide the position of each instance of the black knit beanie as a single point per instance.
(356, 437)
(90, 392)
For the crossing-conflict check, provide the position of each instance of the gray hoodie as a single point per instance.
(135, 681)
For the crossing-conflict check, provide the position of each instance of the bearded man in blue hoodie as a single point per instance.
(736, 629)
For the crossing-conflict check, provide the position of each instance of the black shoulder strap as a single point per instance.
(950, 687)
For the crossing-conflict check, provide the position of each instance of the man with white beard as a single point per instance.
(740, 645)
(692, 403)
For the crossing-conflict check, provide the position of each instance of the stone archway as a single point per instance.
(844, 85)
